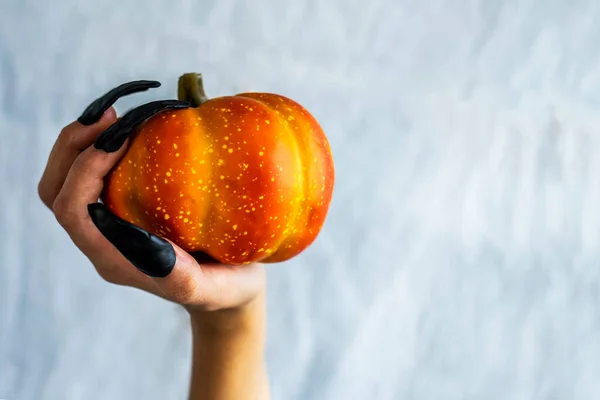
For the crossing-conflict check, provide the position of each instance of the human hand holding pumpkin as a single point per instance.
(226, 303)
(123, 253)
(235, 180)
(241, 179)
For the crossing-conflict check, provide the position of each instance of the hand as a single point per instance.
(85, 151)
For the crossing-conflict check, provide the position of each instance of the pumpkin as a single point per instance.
(243, 178)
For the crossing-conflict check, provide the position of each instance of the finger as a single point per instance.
(79, 135)
(95, 110)
(149, 253)
(73, 139)
(210, 286)
(85, 179)
(113, 138)
(83, 185)
(176, 274)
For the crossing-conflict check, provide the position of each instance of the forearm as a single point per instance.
(228, 354)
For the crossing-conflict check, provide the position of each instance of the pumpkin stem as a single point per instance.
(191, 89)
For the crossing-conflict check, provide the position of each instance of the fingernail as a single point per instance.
(113, 138)
(149, 253)
(94, 111)
(110, 113)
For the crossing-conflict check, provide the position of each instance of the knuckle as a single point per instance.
(74, 137)
(90, 163)
(67, 136)
(82, 164)
(44, 194)
(109, 275)
(64, 214)
(185, 292)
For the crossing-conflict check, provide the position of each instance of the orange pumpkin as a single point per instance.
(242, 178)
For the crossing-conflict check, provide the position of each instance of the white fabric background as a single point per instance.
(460, 259)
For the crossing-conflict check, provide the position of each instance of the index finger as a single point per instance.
(79, 135)
(85, 179)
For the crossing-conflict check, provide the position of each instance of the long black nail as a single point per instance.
(95, 110)
(113, 138)
(149, 253)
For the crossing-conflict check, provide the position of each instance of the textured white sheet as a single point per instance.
(460, 257)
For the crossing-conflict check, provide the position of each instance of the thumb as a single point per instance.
(175, 272)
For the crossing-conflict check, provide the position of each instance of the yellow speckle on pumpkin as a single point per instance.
(167, 216)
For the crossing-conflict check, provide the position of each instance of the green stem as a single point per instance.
(191, 89)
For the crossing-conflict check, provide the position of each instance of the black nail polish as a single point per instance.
(113, 138)
(149, 253)
(94, 111)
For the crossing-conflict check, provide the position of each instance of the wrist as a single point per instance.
(246, 318)
(229, 352)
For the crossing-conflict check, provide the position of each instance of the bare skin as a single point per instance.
(226, 304)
